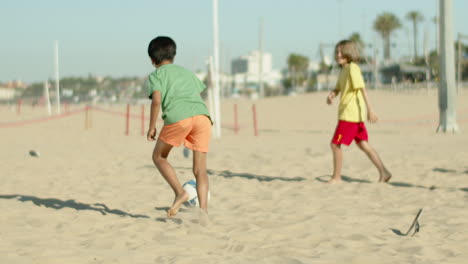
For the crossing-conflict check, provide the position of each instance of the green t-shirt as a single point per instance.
(180, 93)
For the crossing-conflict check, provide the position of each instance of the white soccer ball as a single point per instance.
(191, 188)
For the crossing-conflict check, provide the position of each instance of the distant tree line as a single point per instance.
(385, 24)
(81, 89)
(298, 74)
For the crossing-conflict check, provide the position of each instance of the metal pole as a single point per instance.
(447, 85)
(437, 24)
(340, 18)
(217, 112)
(376, 65)
(426, 57)
(57, 78)
(142, 120)
(260, 62)
(236, 122)
(459, 63)
(210, 91)
(46, 96)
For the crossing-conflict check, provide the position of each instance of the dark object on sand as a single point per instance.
(415, 226)
(34, 153)
(186, 152)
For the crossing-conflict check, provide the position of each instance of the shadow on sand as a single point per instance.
(444, 170)
(325, 178)
(166, 208)
(397, 232)
(261, 178)
(59, 204)
(169, 219)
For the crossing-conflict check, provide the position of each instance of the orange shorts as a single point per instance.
(194, 131)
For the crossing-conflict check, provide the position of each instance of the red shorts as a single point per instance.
(346, 132)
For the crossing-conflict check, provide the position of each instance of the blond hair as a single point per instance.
(349, 50)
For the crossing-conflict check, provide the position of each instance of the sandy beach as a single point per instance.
(94, 196)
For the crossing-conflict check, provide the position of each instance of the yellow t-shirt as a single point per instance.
(352, 104)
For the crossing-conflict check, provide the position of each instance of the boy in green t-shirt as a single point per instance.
(186, 119)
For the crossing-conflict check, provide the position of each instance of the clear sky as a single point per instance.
(110, 37)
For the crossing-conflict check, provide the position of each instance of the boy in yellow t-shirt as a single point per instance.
(353, 110)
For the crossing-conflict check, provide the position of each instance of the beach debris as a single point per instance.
(34, 153)
(415, 226)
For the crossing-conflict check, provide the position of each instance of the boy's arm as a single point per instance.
(332, 95)
(155, 106)
(371, 116)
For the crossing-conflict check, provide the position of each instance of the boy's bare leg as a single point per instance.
(160, 153)
(385, 175)
(199, 171)
(337, 163)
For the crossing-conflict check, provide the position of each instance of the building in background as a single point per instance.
(7, 93)
(10, 89)
(245, 74)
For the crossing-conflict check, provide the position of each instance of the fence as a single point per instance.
(128, 116)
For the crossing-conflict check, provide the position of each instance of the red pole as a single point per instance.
(127, 131)
(87, 117)
(236, 124)
(18, 106)
(90, 119)
(254, 110)
(142, 120)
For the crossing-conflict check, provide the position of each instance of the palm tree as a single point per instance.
(415, 17)
(356, 38)
(385, 24)
(298, 66)
(435, 20)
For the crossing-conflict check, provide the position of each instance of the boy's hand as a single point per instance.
(330, 98)
(372, 117)
(151, 135)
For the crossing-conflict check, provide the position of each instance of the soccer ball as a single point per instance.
(191, 188)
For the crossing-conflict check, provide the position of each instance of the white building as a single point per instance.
(246, 72)
(7, 93)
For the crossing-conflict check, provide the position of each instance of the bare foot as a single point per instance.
(178, 201)
(203, 218)
(334, 181)
(385, 177)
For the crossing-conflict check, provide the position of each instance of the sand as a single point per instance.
(94, 196)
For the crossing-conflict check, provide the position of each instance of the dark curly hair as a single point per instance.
(162, 48)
